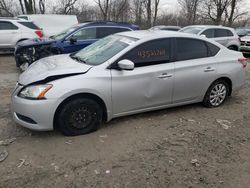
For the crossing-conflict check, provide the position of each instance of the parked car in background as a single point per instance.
(242, 31)
(166, 27)
(223, 35)
(123, 74)
(14, 30)
(245, 44)
(68, 41)
(51, 24)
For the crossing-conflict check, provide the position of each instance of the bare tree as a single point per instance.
(5, 9)
(216, 9)
(156, 5)
(42, 6)
(190, 9)
(104, 8)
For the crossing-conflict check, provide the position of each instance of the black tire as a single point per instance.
(79, 116)
(209, 95)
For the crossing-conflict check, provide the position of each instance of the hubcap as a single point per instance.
(218, 94)
(82, 117)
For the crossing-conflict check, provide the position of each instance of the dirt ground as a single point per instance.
(184, 147)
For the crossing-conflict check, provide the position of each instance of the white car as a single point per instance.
(223, 35)
(14, 30)
(51, 24)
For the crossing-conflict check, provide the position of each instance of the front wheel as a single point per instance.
(216, 94)
(79, 116)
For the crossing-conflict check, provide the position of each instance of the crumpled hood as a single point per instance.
(52, 66)
(245, 38)
(35, 42)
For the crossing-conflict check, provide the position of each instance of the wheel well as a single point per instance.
(229, 82)
(234, 47)
(82, 95)
(20, 40)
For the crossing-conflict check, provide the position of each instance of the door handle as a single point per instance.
(165, 75)
(209, 69)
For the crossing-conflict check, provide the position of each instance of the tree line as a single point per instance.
(144, 13)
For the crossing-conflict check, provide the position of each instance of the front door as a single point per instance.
(149, 85)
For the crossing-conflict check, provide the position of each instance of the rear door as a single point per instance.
(150, 84)
(194, 69)
(83, 37)
(8, 32)
(221, 36)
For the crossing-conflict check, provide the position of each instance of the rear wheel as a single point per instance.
(79, 116)
(216, 94)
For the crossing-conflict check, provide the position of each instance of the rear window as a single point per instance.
(30, 25)
(221, 32)
(190, 49)
(7, 26)
(213, 49)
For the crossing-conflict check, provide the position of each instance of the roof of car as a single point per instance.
(209, 26)
(148, 34)
(106, 23)
(13, 19)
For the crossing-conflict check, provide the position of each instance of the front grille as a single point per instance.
(245, 43)
(25, 119)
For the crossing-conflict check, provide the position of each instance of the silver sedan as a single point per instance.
(123, 74)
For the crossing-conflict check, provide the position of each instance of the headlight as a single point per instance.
(35, 91)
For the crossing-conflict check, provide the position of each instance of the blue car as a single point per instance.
(68, 41)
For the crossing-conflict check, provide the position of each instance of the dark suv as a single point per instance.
(68, 41)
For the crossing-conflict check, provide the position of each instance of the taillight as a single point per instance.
(39, 33)
(243, 61)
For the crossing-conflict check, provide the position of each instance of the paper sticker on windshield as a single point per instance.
(127, 41)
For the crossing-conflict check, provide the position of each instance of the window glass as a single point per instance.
(220, 32)
(193, 30)
(104, 49)
(190, 49)
(7, 26)
(209, 33)
(64, 33)
(213, 49)
(105, 31)
(150, 53)
(229, 33)
(30, 25)
(87, 33)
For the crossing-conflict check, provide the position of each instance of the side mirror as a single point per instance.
(73, 40)
(126, 64)
(203, 36)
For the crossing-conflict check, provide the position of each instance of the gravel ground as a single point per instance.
(189, 146)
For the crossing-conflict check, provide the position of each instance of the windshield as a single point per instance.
(103, 50)
(193, 30)
(63, 33)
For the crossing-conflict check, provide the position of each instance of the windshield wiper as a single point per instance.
(77, 59)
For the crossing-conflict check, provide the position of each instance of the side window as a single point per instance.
(213, 50)
(105, 31)
(229, 33)
(221, 32)
(7, 26)
(150, 53)
(84, 34)
(190, 49)
(209, 33)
